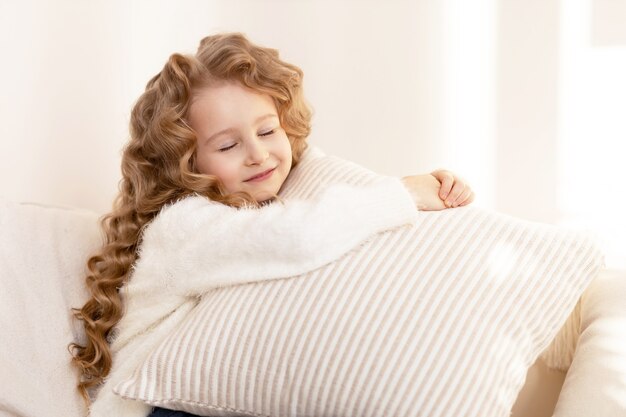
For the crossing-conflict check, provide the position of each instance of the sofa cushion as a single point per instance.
(42, 269)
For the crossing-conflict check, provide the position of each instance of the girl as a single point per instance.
(213, 139)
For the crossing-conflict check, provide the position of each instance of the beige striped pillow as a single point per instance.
(440, 319)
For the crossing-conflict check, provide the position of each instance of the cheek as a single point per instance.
(286, 151)
(214, 165)
(202, 164)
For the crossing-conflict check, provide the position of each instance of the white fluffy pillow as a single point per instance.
(440, 319)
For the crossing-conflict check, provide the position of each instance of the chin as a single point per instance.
(264, 197)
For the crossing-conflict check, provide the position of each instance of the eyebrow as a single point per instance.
(231, 130)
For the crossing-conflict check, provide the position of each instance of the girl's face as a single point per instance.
(240, 140)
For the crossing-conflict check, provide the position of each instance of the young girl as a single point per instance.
(213, 139)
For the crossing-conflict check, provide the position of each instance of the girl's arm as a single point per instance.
(196, 244)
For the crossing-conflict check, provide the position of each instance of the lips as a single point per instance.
(261, 175)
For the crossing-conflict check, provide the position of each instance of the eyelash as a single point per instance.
(268, 133)
(227, 148)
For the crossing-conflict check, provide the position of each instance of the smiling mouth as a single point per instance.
(263, 175)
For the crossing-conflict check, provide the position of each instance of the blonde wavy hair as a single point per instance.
(159, 167)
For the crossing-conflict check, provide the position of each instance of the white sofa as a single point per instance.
(43, 254)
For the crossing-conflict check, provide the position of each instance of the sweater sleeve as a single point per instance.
(196, 244)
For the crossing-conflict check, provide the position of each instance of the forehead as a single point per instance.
(228, 103)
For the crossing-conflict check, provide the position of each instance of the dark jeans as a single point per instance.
(164, 412)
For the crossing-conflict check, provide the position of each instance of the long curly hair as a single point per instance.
(159, 167)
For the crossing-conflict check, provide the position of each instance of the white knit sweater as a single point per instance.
(195, 245)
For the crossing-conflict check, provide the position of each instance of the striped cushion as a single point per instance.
(438, 319)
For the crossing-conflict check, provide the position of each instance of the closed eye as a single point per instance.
(269, 132)
(224, 149)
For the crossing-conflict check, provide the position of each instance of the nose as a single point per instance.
(257, 152)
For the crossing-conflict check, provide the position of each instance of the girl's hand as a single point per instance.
(425, 191)
(438, 190)
(454, 191)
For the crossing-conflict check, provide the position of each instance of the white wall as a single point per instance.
(63, 109)
(77, 67)
(488, 88)
(592, 122)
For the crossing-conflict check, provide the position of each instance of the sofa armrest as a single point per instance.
(595, 384)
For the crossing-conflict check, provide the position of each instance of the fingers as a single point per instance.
(461, 195)
(466, 197)
(454, 192)
(446, 178)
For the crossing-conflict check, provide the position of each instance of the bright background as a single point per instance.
(524, 99)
